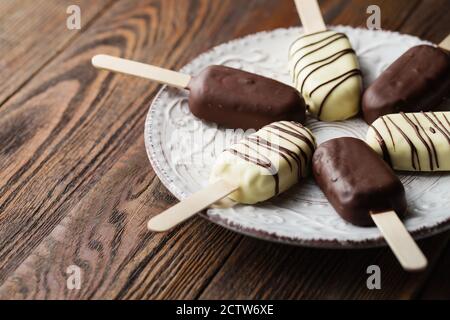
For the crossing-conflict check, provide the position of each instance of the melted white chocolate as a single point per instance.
(413, 141)
(325, 70)
(267, 162)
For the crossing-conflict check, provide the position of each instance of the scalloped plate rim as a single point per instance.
(417, 234)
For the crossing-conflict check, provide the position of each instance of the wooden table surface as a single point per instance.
(76, 187)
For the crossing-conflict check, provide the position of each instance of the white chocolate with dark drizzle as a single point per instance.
(325, 69)
(413, 141)
(267, 162)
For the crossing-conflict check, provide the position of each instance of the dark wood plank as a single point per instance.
(297, 273)
(32, 32)
(106, 236)
(429, 20)
(70, 124)
(353, 12)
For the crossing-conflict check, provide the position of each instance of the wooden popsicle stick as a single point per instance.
(134, 68)
(400, 241)
(445, 44)
(190, 206)
(310, 15)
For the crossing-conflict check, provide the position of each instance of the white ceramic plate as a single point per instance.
(182, 149)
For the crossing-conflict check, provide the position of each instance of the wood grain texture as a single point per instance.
(429, 20)
(71, 123)
(76, 186)
(353, 12)
(299, 273)
(33, 32)
(106, 235)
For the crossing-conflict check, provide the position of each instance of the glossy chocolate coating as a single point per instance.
(356, 180)
(417, 81)
(238, 99)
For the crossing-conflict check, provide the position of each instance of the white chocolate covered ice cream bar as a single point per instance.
(413, 141)
(267, 162)
(325, 70)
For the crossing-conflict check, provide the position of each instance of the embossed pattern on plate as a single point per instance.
(182, 149)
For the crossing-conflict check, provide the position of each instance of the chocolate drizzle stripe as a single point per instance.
(308, 139)
(276, 131)
(390, 133)
(266, 165)
(273, 169)
(343, 52)
(335, 55)
(419, 135)
(298, 125)
(315, 50)
(322, 40)
(294, 134)
(414, 153)
(305, 36)
(446, 120)
(429, 140)
(314, 70)
(302, 152)
(260, 142)
(382, 143)
(282, 151)
(358, 72)
(441, 124)
(295, 126)
(437, 126)
(352, 72)
(254, 141)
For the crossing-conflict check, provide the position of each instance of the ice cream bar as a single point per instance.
(413, 141)
(324, 67)
(364, 190)
(260, 166)
(238, 99)
(417, 81)
(267, 162)
(356, 181)
(325, 70)
(229, 97)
